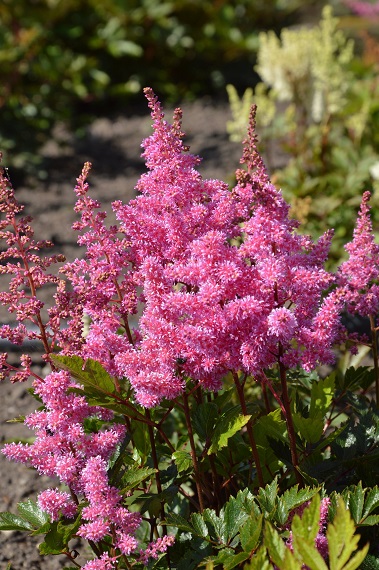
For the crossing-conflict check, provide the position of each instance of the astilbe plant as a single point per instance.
(206, 311)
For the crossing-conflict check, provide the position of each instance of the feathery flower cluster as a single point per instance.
(156, 548)
(64, 449)
(105, 562)
(360, 288)
(102, 284)
(226, 282)
(28, 272)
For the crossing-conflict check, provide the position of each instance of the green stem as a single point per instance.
(249, 427)
(374, 332)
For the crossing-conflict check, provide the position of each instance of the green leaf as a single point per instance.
(176, 521)
(9, 521)
(89, 373)
(118, 48)
(309, 429)
(153, 504)
(68, 528)
(204, 419)
(361, 377)
(321, 396)
(199, 525)
(133, 477)
(371, 520)
(217, 523)
(309, 555)
(228, 425)
(272, 425)
(371, 501)
(250, 532)
(275, 545)
(290, 562)
(260, 561)
(54, 541)
(355, 501)
(233, 517)
(343, 542)
(292, 498)
(247, 503)
(31, 511)
(183, 460)
(306, 527)
(267, 498)
(141, 439)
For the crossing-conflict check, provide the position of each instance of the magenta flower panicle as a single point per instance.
(28, 271)
(358, 277)
(225, 278)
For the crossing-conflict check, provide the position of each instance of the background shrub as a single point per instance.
(63, 60)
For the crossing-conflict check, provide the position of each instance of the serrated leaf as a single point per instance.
(292, 498)
(371, 520)
(53, 543)
(233, 517)
(228, 425)
(9, 521)
(204, 419)
(308, 555)
(272, 425)
(247, 503)
(31, 511)
(307, 526)
(290, 562)
(357, 559)
(304, 531)
(133, 477)
(342, 541)
(199, 525)
(274, 544)
(267, 497)
(356, 502)
(371, 501)
(361, 377)
(321, 396)
(309, 429)
(183, 460)
(217, 523)
(250, 532)
(179, 522)
(89, 373)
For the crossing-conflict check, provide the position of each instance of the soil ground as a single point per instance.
(112, 145)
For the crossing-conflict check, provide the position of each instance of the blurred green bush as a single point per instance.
(61, 60)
